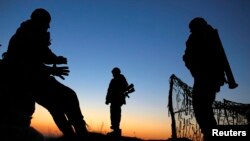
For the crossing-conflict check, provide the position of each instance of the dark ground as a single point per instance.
(102, 137)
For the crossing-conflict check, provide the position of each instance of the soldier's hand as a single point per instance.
(60, 71)
(106, 102)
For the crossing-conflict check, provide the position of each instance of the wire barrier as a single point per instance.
(181, 111)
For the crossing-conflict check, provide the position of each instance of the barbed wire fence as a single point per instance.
(180, 108)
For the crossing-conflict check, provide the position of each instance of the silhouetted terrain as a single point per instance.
(98, 137)
(102, 137)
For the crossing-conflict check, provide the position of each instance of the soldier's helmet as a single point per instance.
(197, 23)
(116, 71)
(40, 15)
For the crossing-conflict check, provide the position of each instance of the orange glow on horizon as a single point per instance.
(142, 128)
(43, 122)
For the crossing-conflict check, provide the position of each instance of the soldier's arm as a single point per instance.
(51, 58)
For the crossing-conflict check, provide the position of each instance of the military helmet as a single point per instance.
(40, 15)
(197, 23)
(116, 70)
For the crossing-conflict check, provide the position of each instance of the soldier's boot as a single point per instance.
(115, 133)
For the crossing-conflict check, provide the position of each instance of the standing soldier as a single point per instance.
(205, 58)
(116, 98)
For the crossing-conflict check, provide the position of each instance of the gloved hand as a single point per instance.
(59, 71)
(107, 102)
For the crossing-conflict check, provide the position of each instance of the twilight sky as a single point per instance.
(145, 39)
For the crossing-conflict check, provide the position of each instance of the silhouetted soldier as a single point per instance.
(29, 55)
(204, 57)
(17, 106)
(115, 96)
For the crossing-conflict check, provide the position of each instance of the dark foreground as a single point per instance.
(102, 137)
(97, 137)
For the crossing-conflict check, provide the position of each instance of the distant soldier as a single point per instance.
(115, 96)
(205, 58)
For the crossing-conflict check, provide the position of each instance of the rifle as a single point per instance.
(128, 90)
(230, 77)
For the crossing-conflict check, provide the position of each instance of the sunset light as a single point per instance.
(146, 39)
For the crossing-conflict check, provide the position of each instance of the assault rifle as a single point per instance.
(230, 77)
(128, 90)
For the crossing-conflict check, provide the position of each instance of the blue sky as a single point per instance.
(145, 38)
